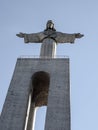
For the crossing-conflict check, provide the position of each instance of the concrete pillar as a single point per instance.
(14, 113)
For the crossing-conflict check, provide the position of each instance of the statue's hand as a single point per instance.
(78, 35)
(20, 35)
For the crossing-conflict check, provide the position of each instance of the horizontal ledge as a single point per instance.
(44, 57)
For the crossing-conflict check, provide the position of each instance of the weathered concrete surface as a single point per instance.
(58, 110)
(15, 107)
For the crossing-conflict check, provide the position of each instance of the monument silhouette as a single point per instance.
(37, 82)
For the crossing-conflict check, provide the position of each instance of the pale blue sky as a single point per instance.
(70, 16)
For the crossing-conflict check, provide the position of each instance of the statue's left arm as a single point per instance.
(67, 38)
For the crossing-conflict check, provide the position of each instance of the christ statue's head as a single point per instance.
(50, 25)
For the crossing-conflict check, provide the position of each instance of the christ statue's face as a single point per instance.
(50, 24)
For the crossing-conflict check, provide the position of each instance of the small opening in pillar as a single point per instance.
(40, 84)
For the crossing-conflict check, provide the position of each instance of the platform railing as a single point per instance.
(44, 57)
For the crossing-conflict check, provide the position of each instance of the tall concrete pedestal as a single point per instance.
(38, 82)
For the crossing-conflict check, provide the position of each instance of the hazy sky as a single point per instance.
(69, 16)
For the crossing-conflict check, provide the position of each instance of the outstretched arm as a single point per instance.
(67, 38)
(32, 38)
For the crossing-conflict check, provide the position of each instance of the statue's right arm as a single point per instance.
(32, 38)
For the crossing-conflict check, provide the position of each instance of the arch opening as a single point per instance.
(37, 99)
(40, 83)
